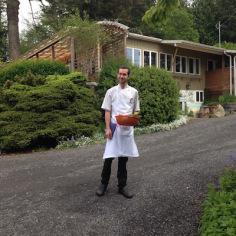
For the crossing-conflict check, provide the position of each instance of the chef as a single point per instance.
(119, 100)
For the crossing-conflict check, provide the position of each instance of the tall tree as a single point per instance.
(127, 12)
(179, 24)
(205, 15)
(55, 13)
(3, 33)
(226, 15)
(13, 30)
(209, 13)
(160, 10)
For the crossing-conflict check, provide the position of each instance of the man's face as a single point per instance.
(123, 76)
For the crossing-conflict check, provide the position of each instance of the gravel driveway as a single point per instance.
(53, 192)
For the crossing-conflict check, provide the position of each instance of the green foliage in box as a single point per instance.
(227, 98)
(39, 114)
(220, 208)
(19, 69)
(159, 95)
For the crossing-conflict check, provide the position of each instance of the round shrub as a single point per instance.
(35, 116)
(158, 91)
(159, 95)
(20, 69)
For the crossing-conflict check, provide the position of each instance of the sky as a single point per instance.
(25, 12)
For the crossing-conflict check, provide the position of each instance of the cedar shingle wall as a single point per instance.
(217, 82)
(61, 51)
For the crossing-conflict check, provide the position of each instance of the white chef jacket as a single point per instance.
(121, 102)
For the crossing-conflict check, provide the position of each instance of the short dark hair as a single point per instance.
(124, 67)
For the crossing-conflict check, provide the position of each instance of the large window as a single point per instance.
(211, 65)
(150, 58)
(199, 96)
(194, 66)
(134, 55)
(181, 64)
(166, 61)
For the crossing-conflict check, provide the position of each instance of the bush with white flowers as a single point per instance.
(99, 137)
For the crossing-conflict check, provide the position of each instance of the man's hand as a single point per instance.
(108, 133)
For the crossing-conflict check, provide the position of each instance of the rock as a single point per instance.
(217, 111)
(204, 112)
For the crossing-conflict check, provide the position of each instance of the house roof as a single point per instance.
(183, 44)
(114, 23)
(231, 51)
(124, 29)
(145, 38)
(194, 46)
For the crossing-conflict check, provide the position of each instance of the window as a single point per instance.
(163, 61)
(177, 64)
(227, 62)
(150, 58)
(146, 56)
(129, 54)
(153, 59)
(180, 64)
(199, 96)
(184, 64)
(211, 65)
(166, 61)
(194, 66)
(134, 55)
(191, 66)
(137, 57)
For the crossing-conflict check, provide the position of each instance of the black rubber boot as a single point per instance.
(101, 190)
(124, 191)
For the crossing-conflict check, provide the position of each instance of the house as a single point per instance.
(201, 71)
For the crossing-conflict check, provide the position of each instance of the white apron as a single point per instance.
(122, 142)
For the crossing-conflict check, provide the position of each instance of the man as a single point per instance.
(119, 100)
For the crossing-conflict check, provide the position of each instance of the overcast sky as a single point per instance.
(25, 12)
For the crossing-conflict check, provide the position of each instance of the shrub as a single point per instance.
(159, 95)
(220, 208)
(157, 90)
(227, 98)
(40, 115)
(20, 69)
(211, 102)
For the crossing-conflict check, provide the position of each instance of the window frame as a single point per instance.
(181, 68)
(132, 61)
(159, 65)
(213, 63)
(194, 65)
(150, 57)
(199, 92)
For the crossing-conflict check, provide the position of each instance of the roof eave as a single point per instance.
(194, 46)
(143, 37)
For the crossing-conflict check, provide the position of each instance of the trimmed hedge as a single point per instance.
(159, 95)
(219, 215)
(35, 116)
(19, 69)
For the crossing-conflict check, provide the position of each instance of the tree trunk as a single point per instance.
(13, 30)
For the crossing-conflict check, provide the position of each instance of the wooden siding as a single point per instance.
(217, 83)
(59, 51)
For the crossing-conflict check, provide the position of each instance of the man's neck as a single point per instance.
(123, 85)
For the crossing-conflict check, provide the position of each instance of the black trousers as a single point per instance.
(121, 172)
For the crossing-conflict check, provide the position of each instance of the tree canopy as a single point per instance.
(198, 20)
